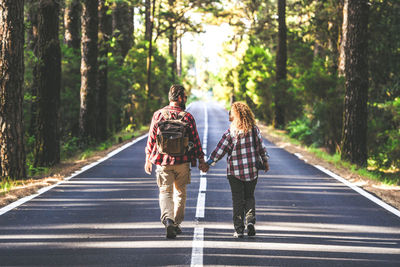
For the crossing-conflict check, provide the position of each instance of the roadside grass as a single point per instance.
(70, 152)
(8, 183)
(387, 177)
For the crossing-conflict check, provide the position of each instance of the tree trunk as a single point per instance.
(148, 27)
(342, 54)
(105, 31)
(47, 148)
(281, 58)
(32, 20)
(354, 134)
(334, 27)
(179, 58)
(12, 148)
(72, 24)
(172, 40)
(32, 32)
(89, 53)
(123, 27)
(133, 25)
(150, 52)
(172, 52)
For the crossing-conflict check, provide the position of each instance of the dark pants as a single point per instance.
(244, 204)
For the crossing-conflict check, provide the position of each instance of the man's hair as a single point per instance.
(175, 91)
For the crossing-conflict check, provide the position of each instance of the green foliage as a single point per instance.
(313, 92)
(69, 147)
(256, 74)
(323, 104)
(130, 103)
(301, 129)
(384, 93)
(384, 134)
(70, 92)
(86, 154)
(6, 184)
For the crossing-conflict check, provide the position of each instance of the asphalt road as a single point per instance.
(109, 216)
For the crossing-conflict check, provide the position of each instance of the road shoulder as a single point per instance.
(57, 174)
(388, 194)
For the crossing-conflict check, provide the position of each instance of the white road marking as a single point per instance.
(203, 184)
(197, 247)
(198, 236)
(354, 187)
(360, 191)
(201, 200)
(85, 168)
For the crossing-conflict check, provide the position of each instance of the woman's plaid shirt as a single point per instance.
(241, 154)
(163, 159)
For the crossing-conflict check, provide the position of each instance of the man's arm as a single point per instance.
(197, 148)
(151, 141)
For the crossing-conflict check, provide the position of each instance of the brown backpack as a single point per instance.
(173, 134)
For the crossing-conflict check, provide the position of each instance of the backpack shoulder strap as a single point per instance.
(181, 115)
(165, 113)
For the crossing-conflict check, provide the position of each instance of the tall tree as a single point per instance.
(172, 38)
(105, 31)
(176, 24)
(149, 28)
(281, 58)
(122, 21)
(354, 134)
(32, 33)
(71, 80)
(12, 148)
(47, 148)
(89, 53)
(72, 23)
(147, 17)
(179, 57)
(342, 53)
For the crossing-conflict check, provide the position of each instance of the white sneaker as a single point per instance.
(238, 235)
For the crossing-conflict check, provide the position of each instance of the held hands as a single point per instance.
(204, 166)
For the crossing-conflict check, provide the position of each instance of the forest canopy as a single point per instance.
(327, 72)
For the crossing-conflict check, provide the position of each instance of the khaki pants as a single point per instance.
(172, 181)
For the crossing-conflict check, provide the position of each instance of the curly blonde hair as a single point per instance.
(243, 117)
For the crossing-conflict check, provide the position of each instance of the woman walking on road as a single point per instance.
(243, 144)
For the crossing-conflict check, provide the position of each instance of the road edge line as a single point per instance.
(42, 190)
(360, 191)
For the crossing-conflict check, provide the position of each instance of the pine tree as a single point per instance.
(354, 134)
(89, 53)
(12, 148)
(47, 148)
(281, 72)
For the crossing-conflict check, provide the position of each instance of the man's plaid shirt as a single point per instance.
(163, 159)
(241, 153)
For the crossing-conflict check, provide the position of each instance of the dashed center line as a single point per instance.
(198, 236)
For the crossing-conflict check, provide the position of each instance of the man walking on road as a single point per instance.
(173, 169)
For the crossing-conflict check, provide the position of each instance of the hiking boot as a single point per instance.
(251, 230)
(170, 228)
(178, 229)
